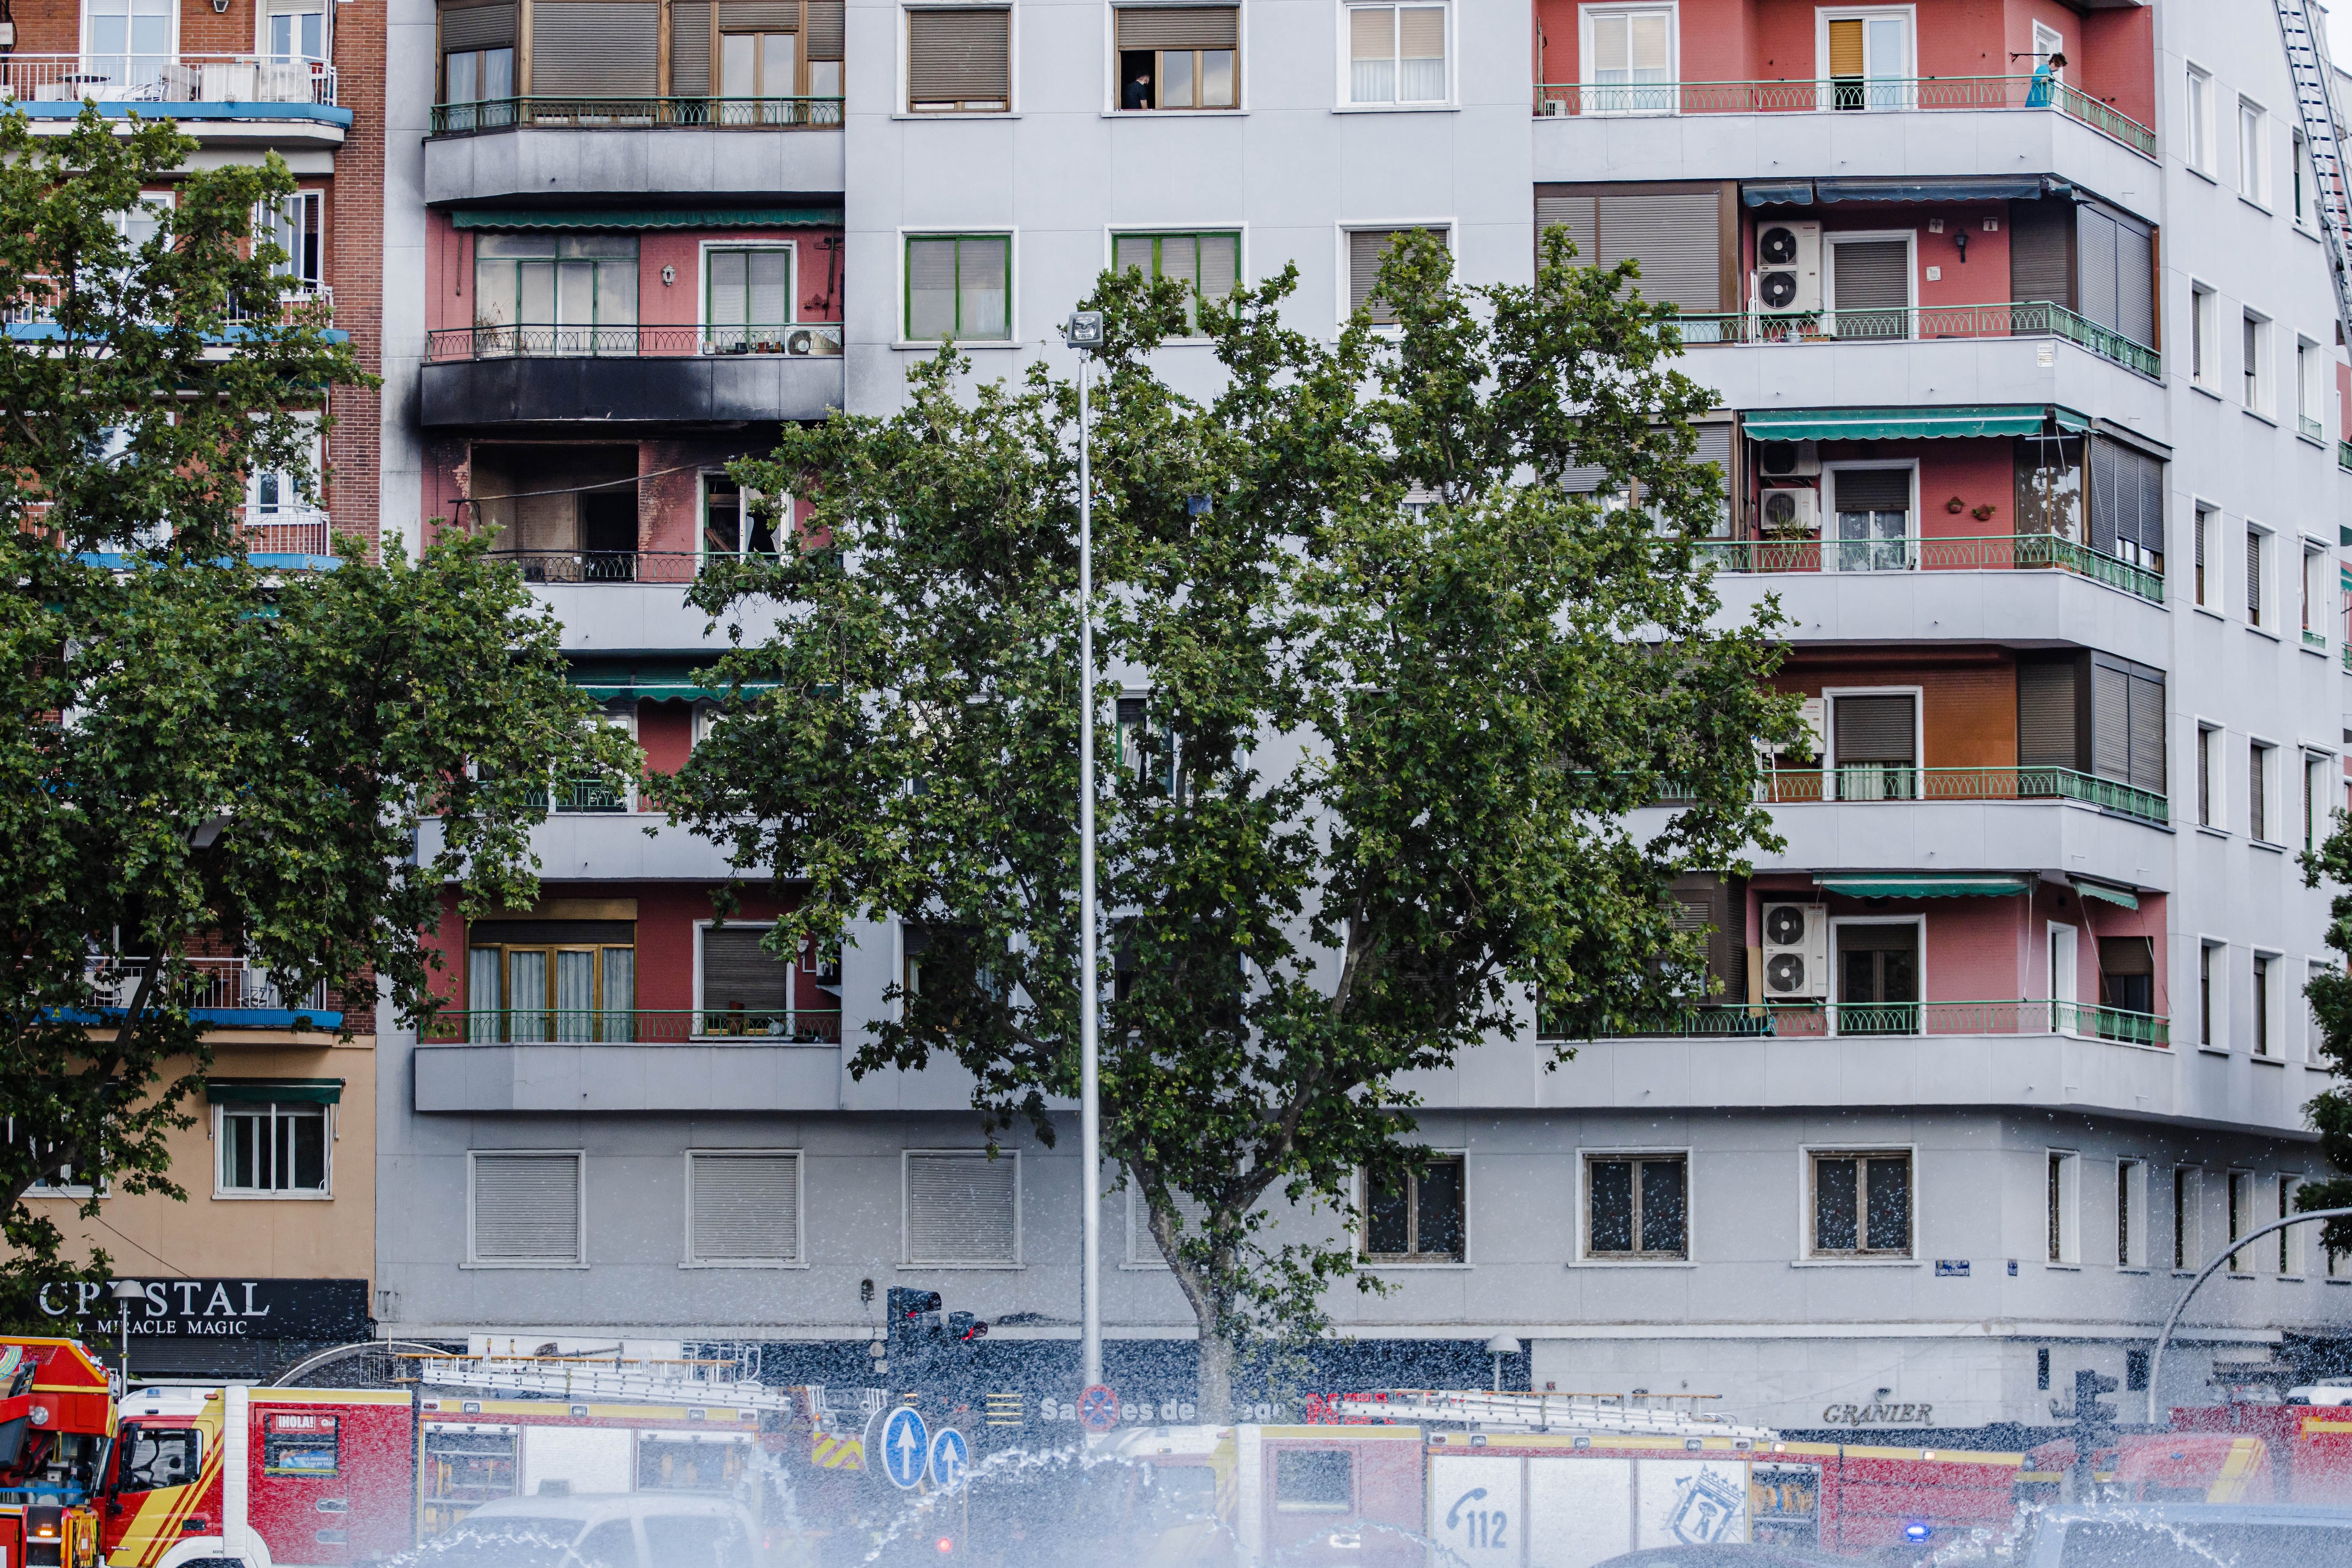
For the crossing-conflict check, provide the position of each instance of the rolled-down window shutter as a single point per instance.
(2110, 723)
(1846, 52)
(1366, 248)
(961, 1207)
(745, 1208)
(1871, 275)
(1179, 27)
(736, 974)
(477, 27)
(2147, 770)
(526, 1208)
(2106, 499)
(2126, 497)
(690, 48)
(595, 49)
(1142, 1249)
(2038, 253)
(2126, 955)
(824, 29)
(760, 16)
(2135, 283)
(959, 57)
(1877, 729)
(2094, 246)
(1579, 214)
(1675, 237)
(2047, 735)
(1872, 489)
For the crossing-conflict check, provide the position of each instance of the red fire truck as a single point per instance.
(56, 1412)
(2223, 1453)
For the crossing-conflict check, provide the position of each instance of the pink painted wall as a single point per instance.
(1978, 472)
(2119, 61)
(670, 495)
(666, 913)
(1981, 280)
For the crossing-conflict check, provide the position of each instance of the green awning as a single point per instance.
(649, 680)
(1902, 424)
(1923, 886)
(280, 1091)
(643, 219)
(2114, 895)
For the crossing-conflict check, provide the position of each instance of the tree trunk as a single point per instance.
(1212, 1397)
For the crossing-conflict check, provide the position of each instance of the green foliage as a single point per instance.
(1404, 690)
(2331, 1004)
(198, 755)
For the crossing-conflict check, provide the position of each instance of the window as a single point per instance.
(2253, 154)
(959, 61)
(294, 226)
(1145, 750)
(272, 1148)
(2204, 525)
(2290, 1249)
(2257, 559)
(2258, 791)
(129, 41)
(525, 1210)
(1207, 264)
(1366, 248)
(2312, 583)
(1179, 57)
(1313, 1480)
(1862, 1205)
(737, 521)
(1636, 1206)
(1421, 1220)
(2127, 974)
(2256, 346)
(748, 297)
(2186, 1186)
(2048, 44)
(1866, 58)
(2208, 997)
(743, 1208)
(1396, 54)
(2261, 1002)
(158, 1457)
(1874, 745)
(551, 980)
(1872, 505)
(2135, 1364)
(963, 1208)
(2314, 779)
(2239, 1194)
(474, 79)
(2065, 1173)
(295, 32)
(555, 294)
(1877, 976)
(2208, 795)
(746, 989)
(959, 286)
(2310, 394)
(1142, 1247)
(2203, 325)
(2200, 121)
(2131, 1201)
(758, 65)
(1629, 57)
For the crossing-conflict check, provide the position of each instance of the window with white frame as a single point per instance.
(1424, 1218)
(738, 522)
(2315, 770)
(2258, 790)
(2289, 1256)
(2310, 387)
(2212, 998)
(294, 32)
(1865, 56)
(2206, 526)
(2063, 1186)
(747, 297)
(2237, 1214)
(1208, 263)
(2254, 356)
(1637, 1207)
(2200, 120)
(1396, 54)
(1178, 56)
(524, 1209)
(2258, 560)
(597, 793)
(2253, 152)
(1142, 1247)
(959, 286)
(128, 42)
(295, 227)
(272, 1148)
(2131, 1208)
(2188, 1200)
(1367, 249)
(2262, 1003)
(958, 59)
(1861, 1203)
(742, 1208)
(963, 1208)
(1628, 54)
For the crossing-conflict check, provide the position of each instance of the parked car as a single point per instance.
(2192, 1535)
(622, 1530)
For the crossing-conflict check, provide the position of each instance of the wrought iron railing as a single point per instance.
(679, 567)
(1880, 783)
(1884, 94)
(165, 79)
(2014, 319)
(287, 530)
(1999, 552)
(602, 113)
(1817, 1019)
(210, 984)
(803, 340)
(594, 795)
(640, 1027)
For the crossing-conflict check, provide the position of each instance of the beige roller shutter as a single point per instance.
(1142, 1251)
(743, 1208)
(595, 49)
(526, 1208)
(690, 49)
(1675, 235)
(1366, 249)
(1179, 27)
(824, 29)
(959, 57)
(477, 27)
(962, 1207)
(1579, 214)
(737, 973)
(760, 16)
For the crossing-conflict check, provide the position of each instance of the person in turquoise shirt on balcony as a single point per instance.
(2040, 94)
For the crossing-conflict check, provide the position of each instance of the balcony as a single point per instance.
(218, 98)
(494, 375)
(638, 113)
(523, 148)
(640, 1027)
(1813, 1020)
(1887, 785)
(2000, 553)
(221, 992)
(2016, 318)
(1879, 95)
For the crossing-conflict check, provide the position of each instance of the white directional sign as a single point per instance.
(906, 1448)
(951, 1458)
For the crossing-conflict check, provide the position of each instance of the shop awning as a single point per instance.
(277, 1091)
(654, 680)
(1907, 424)
(644, 218)
(1778, 194)
(1924, 885)
(2106, 890)
(1991, 188)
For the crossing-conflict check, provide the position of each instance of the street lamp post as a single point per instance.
(124, 1292)
(1084, 332)
(2156, 1359)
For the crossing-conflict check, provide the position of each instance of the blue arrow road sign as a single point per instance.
(950, 1457)
(905, 1448)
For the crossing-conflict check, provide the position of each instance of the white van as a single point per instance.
(623, 1530)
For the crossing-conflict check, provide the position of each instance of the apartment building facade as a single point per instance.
(2030, 405)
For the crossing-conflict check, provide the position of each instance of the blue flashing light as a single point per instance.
(1916, 1532)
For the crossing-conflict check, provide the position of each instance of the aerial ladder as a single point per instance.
(2315, 101)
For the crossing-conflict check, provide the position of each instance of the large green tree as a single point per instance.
(198, 755)
(2331, 1005)
(1400, 691)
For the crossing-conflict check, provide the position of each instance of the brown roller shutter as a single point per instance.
(690, 49)
(477, 27)
(1871, 281)
(1872, 489)
(1845, 48)
(760, 16)
(1179, 27)
(2048, 735)
(2040, 263)
(2147, 771)
(2110, 722)
(1877, 729)
(736, 974)
(2135, 282)
(959, 57)
(1578, 214)
(2095, 249)
(595, 49)
(824, 29)
(1675, 237)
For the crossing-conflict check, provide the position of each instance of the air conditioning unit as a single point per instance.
(1796, 952)
(1789, 510)
(1789, 265)
(1788, 459)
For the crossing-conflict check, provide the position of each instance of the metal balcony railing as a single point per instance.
(1823, 1019)
(1894, 782)
(679, 567)
(2344, 456)
(165, 79)
(637, 1027)
(287, 530)
(2314, 640)
(1852, 94)
(2014, 319)
(222, 984)
(2344, 656)
(2001, 553)
(588, 796)
(625, 113)
(805, 340)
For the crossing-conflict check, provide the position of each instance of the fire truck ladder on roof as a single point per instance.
(2315, 101)
(1539, 1412)
(683, 1382)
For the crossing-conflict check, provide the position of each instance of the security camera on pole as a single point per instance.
(1084, 331)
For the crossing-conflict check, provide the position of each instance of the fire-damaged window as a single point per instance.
(1637, 1207)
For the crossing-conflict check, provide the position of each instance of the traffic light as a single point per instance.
(914, 1318)
(964, 1329)
(2095, 1428)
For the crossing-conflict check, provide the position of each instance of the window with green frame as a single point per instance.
(749, 290)
(1209, 262)
(959, 286)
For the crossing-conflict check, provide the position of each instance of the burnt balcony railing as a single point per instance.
(1848, 94)
(2015, 318)
(2000, 553)
(166, 78)
(678, 567)
(628, 113)
(802, 339)
(638, 1026)
(1823, 1019)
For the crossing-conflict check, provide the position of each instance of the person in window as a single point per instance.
(1137, 94)
(2037, 95)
